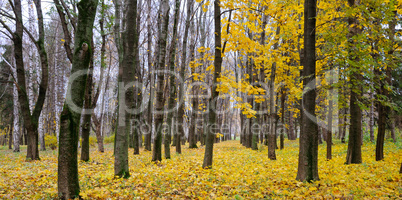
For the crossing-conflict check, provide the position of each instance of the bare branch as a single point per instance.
(6, 27)
(67, 36)
(72, 19)
(4, 13)
(6, 34)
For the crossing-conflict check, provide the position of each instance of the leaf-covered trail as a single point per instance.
(237, 173)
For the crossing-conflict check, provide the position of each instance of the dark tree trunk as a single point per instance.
(292, 135)
(329, 127)
(137, 78)
(10, 137)
(209, 141)
(383, 109)
(180, 111)
(308, 149)
(272, 132)
(30, 120)
(163, 19)
(371, 116)
(127, 93)
(172, 86)
(355, 140)
(400, 170)
(86, 120)
(343, 133)
(392, 122)
(282, 136)
(148, 135)
(68, 185)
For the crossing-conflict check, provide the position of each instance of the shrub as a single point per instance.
(109, 139)
(51, 141)
(92, 141)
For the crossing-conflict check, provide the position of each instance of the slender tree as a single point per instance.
(384, 82)
(161, 59)
(148, 136)
(126, 90)
(272, 134)
(31, 120)
(329, 124)
(212, 120)
(172, 87)
(354, 153)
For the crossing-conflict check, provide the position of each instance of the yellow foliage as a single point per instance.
(237, 173)
(92, 141)
(51, 141)
(109, 139)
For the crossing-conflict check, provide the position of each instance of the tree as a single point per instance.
(329, 126)
(354, 154)
(172, 87)
(273, 116)
(68, 184)
(180, 131)
(163, 19)
(31, 121)
(400, 170)
(126, 90)
(308, 149)
(92, 95)
(383, 93)
(212, 120)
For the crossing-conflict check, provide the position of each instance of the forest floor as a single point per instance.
(237, 173)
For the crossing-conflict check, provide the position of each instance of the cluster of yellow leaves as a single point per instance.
(237, 173)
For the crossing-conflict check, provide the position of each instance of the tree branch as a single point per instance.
(6, 27)
(72, 19)
(67, 35)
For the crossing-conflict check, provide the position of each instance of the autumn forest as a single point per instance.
(200, 99)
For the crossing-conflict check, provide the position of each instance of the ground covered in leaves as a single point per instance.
(237, 173)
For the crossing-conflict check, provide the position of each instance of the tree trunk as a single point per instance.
(382, 120)
(271, 134)
(16, 117)
(148, 135)
(392, 123)
(282, 136)
(371, 116)
(329, 127)
(137, 78)
(400, 170)
(355, 133)
(30, 120)
(209, 141)
(10, 137)
(86, 119)
(291, 127)
(190, 4)
(98, 132)
(127, 93)
(163, 19)
(308, 147)
(172, 86)
(68, 185)
(383, 109)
